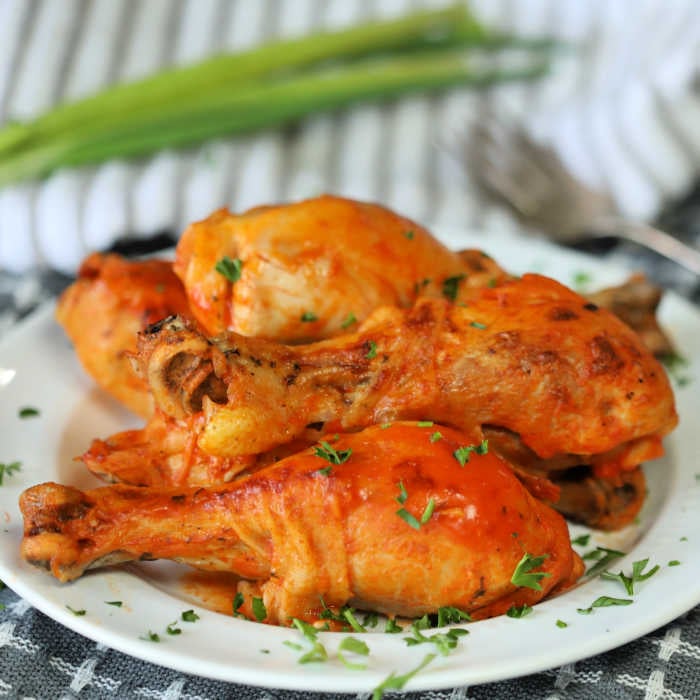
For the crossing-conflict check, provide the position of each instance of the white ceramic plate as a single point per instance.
(47, 376)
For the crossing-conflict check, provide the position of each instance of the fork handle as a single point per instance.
(652, 238)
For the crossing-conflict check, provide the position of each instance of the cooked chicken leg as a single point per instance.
(530, 356)
(309, 268)
(385, 519)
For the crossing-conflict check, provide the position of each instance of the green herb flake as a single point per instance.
(581, 540)
(9, 469)
(238, 601)
(371, 619)
(77, 613)
(372, 350)
(229, 268)
(636, 576)
(171, 629)
(561, 624)
(330, 454)
(449, 615)
(189, 616)
(259, 609)
(403, 495)
(349, 615)
(428, 512)
(491, 283)
(115, 603)
(325, 470)
(409, 518)
(392, 627)
(264, 651)
(318, 651)
(674, 562)
(349, 320)
(394, 682)
(28, 412)
(309, 317)
(2, 606)
(292, 645)
(151, 637)
(581, 280)
(385, 426)
(676, 365)
(450, 287)
(445, 642)
(480, 326)
(519, 611)
(419, 286)
(463, 454)
(604, 557)
(425, 424)
(409, 235)
(683, 539)
(523, 576)
(604, 602)
(354, 646)
(437, 435)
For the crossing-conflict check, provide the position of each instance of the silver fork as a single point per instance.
(510, 168)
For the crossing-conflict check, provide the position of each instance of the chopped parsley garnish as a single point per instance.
(151, 637)
(409, 518)
(372, 350)
(425, 424)
(674, 562)
(491, 283)
(403, 495)
(562, 624)
(9, 469)
(519, 611)
(581, 280)
(581, 540)
(604, 557)
(451, 285)
(349, 320)
(28, 412)
(355, 646)
(394, 682)
(77, 613)
(480, 326)
(189, 616)
(259, 609)
(637, 575)
(309, 317)
(409, 235)
(384, 426)
(450, 616)
(229, 268)
(371, 619)
(676, 364)
(349, 615)
(437, 435)
(522, 576)
(604, 602)
(172, 629)
(392, 627)
(115, 603)
(318, 651)
(2, 606)
(264, 651)
(428, 512)
(236, 605)
(462, 454)
(325, 471)
(330, 454)
(445, 642)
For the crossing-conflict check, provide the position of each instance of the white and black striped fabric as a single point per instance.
(620, 109)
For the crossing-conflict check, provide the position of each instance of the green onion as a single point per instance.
(234, 109)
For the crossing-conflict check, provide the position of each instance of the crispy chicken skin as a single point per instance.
(102, 312)
(326, 259)
(530, 356)
(306, 529)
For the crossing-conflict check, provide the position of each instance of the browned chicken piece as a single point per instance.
(636, 303)
(362, 523)
(530, 358)
(111, 301)
(316, 268)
